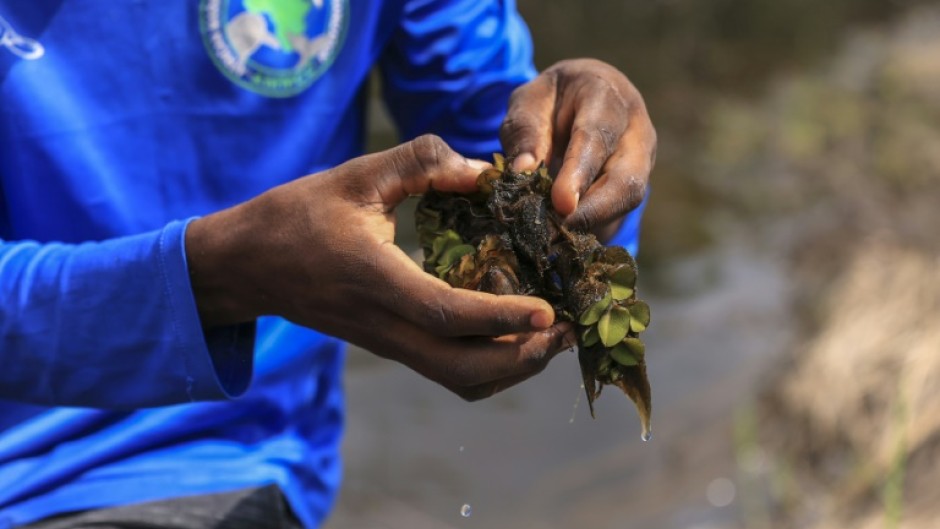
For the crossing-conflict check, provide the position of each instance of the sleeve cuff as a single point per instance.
(218, 362)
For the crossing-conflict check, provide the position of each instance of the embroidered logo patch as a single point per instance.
(22, 47)
(276, 48)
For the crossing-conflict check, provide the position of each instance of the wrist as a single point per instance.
(219, 257)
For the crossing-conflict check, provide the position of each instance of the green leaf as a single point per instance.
(454, 253)
(499, 161)
(620, 292)
(603, 366)
(590, 337)
(622, 355)
(613, 326)
(624, 276)
(595, 311)
(442, 243)
(639, 316)
(636, 347)
(429, 225)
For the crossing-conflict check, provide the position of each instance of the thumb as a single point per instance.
(412, 168)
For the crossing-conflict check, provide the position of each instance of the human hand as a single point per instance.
(586, 116)
(320, 252)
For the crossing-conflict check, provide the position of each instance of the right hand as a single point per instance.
(320, 252)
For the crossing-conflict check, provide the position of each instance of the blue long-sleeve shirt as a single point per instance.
(119, 121)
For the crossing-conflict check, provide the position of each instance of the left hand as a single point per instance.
(587, 116)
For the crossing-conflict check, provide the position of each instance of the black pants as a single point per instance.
(256, 508)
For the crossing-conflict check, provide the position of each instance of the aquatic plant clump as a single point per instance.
(507, 239)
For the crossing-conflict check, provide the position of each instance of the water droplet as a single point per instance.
(577, 400)
(720, 492)
(466, 510)
(646, 436)
(460, 449)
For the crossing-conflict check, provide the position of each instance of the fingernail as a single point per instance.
(524, 162)
(541, 320)
(479, 165)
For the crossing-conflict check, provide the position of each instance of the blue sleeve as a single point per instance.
(111, 324)
(450, 67)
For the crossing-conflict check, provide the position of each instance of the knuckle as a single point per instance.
(608, 137)
(581, 136)
(428, 151)
(438, 316)
(523, 93)
(517, 95)
(632, 194)
(570, 65)
(518, 125)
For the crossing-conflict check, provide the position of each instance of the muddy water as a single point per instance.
(533, 457)
(417, 456)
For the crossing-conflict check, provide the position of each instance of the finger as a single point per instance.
(412, 168)
(468, 366)
(434, 305)
(526, 132)
(488, 389)
(622, 183)
(599, 123)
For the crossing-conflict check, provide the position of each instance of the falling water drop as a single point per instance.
(460, 449)
(466, 510)
(577, 400)
(646, 435)
(720, 492)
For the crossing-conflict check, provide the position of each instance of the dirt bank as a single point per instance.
(851, 177)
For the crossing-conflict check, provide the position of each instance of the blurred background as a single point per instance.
(791, 256)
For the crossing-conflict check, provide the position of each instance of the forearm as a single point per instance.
(108, 324)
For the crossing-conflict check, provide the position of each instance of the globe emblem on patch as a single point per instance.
(276, 48)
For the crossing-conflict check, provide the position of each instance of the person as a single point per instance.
(173, 295)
